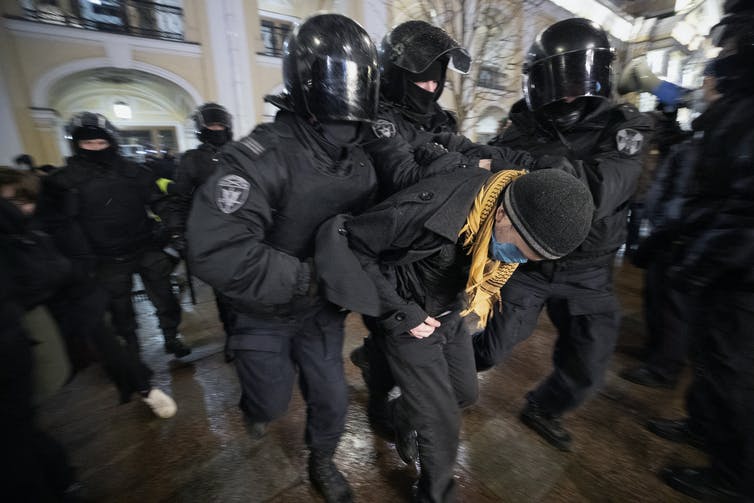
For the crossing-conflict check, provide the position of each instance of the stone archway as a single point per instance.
(160, 102)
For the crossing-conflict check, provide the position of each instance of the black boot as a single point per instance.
(700, 483)
(646, 376)
(360, 358)
(327, 479)
(175, 345)
(547, 425)
(677, 430)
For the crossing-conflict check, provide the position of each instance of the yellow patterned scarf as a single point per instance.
(486, 276)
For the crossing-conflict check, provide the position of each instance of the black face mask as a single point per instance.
(216, 138)
(564, 115)
(341, 133)
(105, 156)
(419, 100)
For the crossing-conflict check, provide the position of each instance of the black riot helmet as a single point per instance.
(90, 126)
(733, 68)
(212, 113)
(569, 59)
(414, 48)
(330, 70)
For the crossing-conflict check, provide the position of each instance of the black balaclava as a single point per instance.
(216, 138)
(104, 156)
(563, 116)
(416, 98)
(338, 137)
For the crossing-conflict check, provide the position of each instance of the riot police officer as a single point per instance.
(214, 128)
(566, 118)
(714, 267)
(96, 197)
(252, 225)
(415, 136)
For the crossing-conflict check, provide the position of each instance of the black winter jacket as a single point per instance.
(196, 166)
(605, 150)
(408, 246)
(252, 224)
(95, 210)
(718, 215)
(31, 267)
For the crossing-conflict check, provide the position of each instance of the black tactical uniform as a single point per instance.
(716, 267)
(415, 136)
(97, 207)
(602, 145)
(196, 166)
(252, 225)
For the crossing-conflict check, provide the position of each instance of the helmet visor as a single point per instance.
(570, 75)
(421, 56)
(213, 115)
(342, 90)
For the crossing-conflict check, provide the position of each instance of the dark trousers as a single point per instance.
(80, 314)
(437, 377)
(224, 311)
(668, 331)
(584, 310)
(269, 351)
(720, 400)
(380, 377)
(154, 267)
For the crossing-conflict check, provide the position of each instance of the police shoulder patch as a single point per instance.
(231, 192)
(629, 141)
(383, 128)
(252, 145)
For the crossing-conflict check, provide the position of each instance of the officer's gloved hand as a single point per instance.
(429, 152)
(178, 241)
(554, 162)
(176, 246)
(307, 290)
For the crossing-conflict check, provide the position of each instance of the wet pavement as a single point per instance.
(124, 453)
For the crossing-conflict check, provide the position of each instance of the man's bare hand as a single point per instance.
(485, 164)
(425, 329)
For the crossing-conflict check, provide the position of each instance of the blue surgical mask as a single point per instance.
(506, 252)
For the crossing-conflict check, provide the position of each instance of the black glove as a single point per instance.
(554, 162)
(178, 242)
(429, 152)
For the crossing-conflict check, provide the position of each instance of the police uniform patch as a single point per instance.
(629, 141)
(252, 145)
(231, 193)
(383, 129)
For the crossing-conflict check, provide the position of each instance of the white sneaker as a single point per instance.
(161, 404)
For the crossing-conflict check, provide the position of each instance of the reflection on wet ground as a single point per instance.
(203, 454)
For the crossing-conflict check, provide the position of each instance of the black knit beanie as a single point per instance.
(551, 210)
